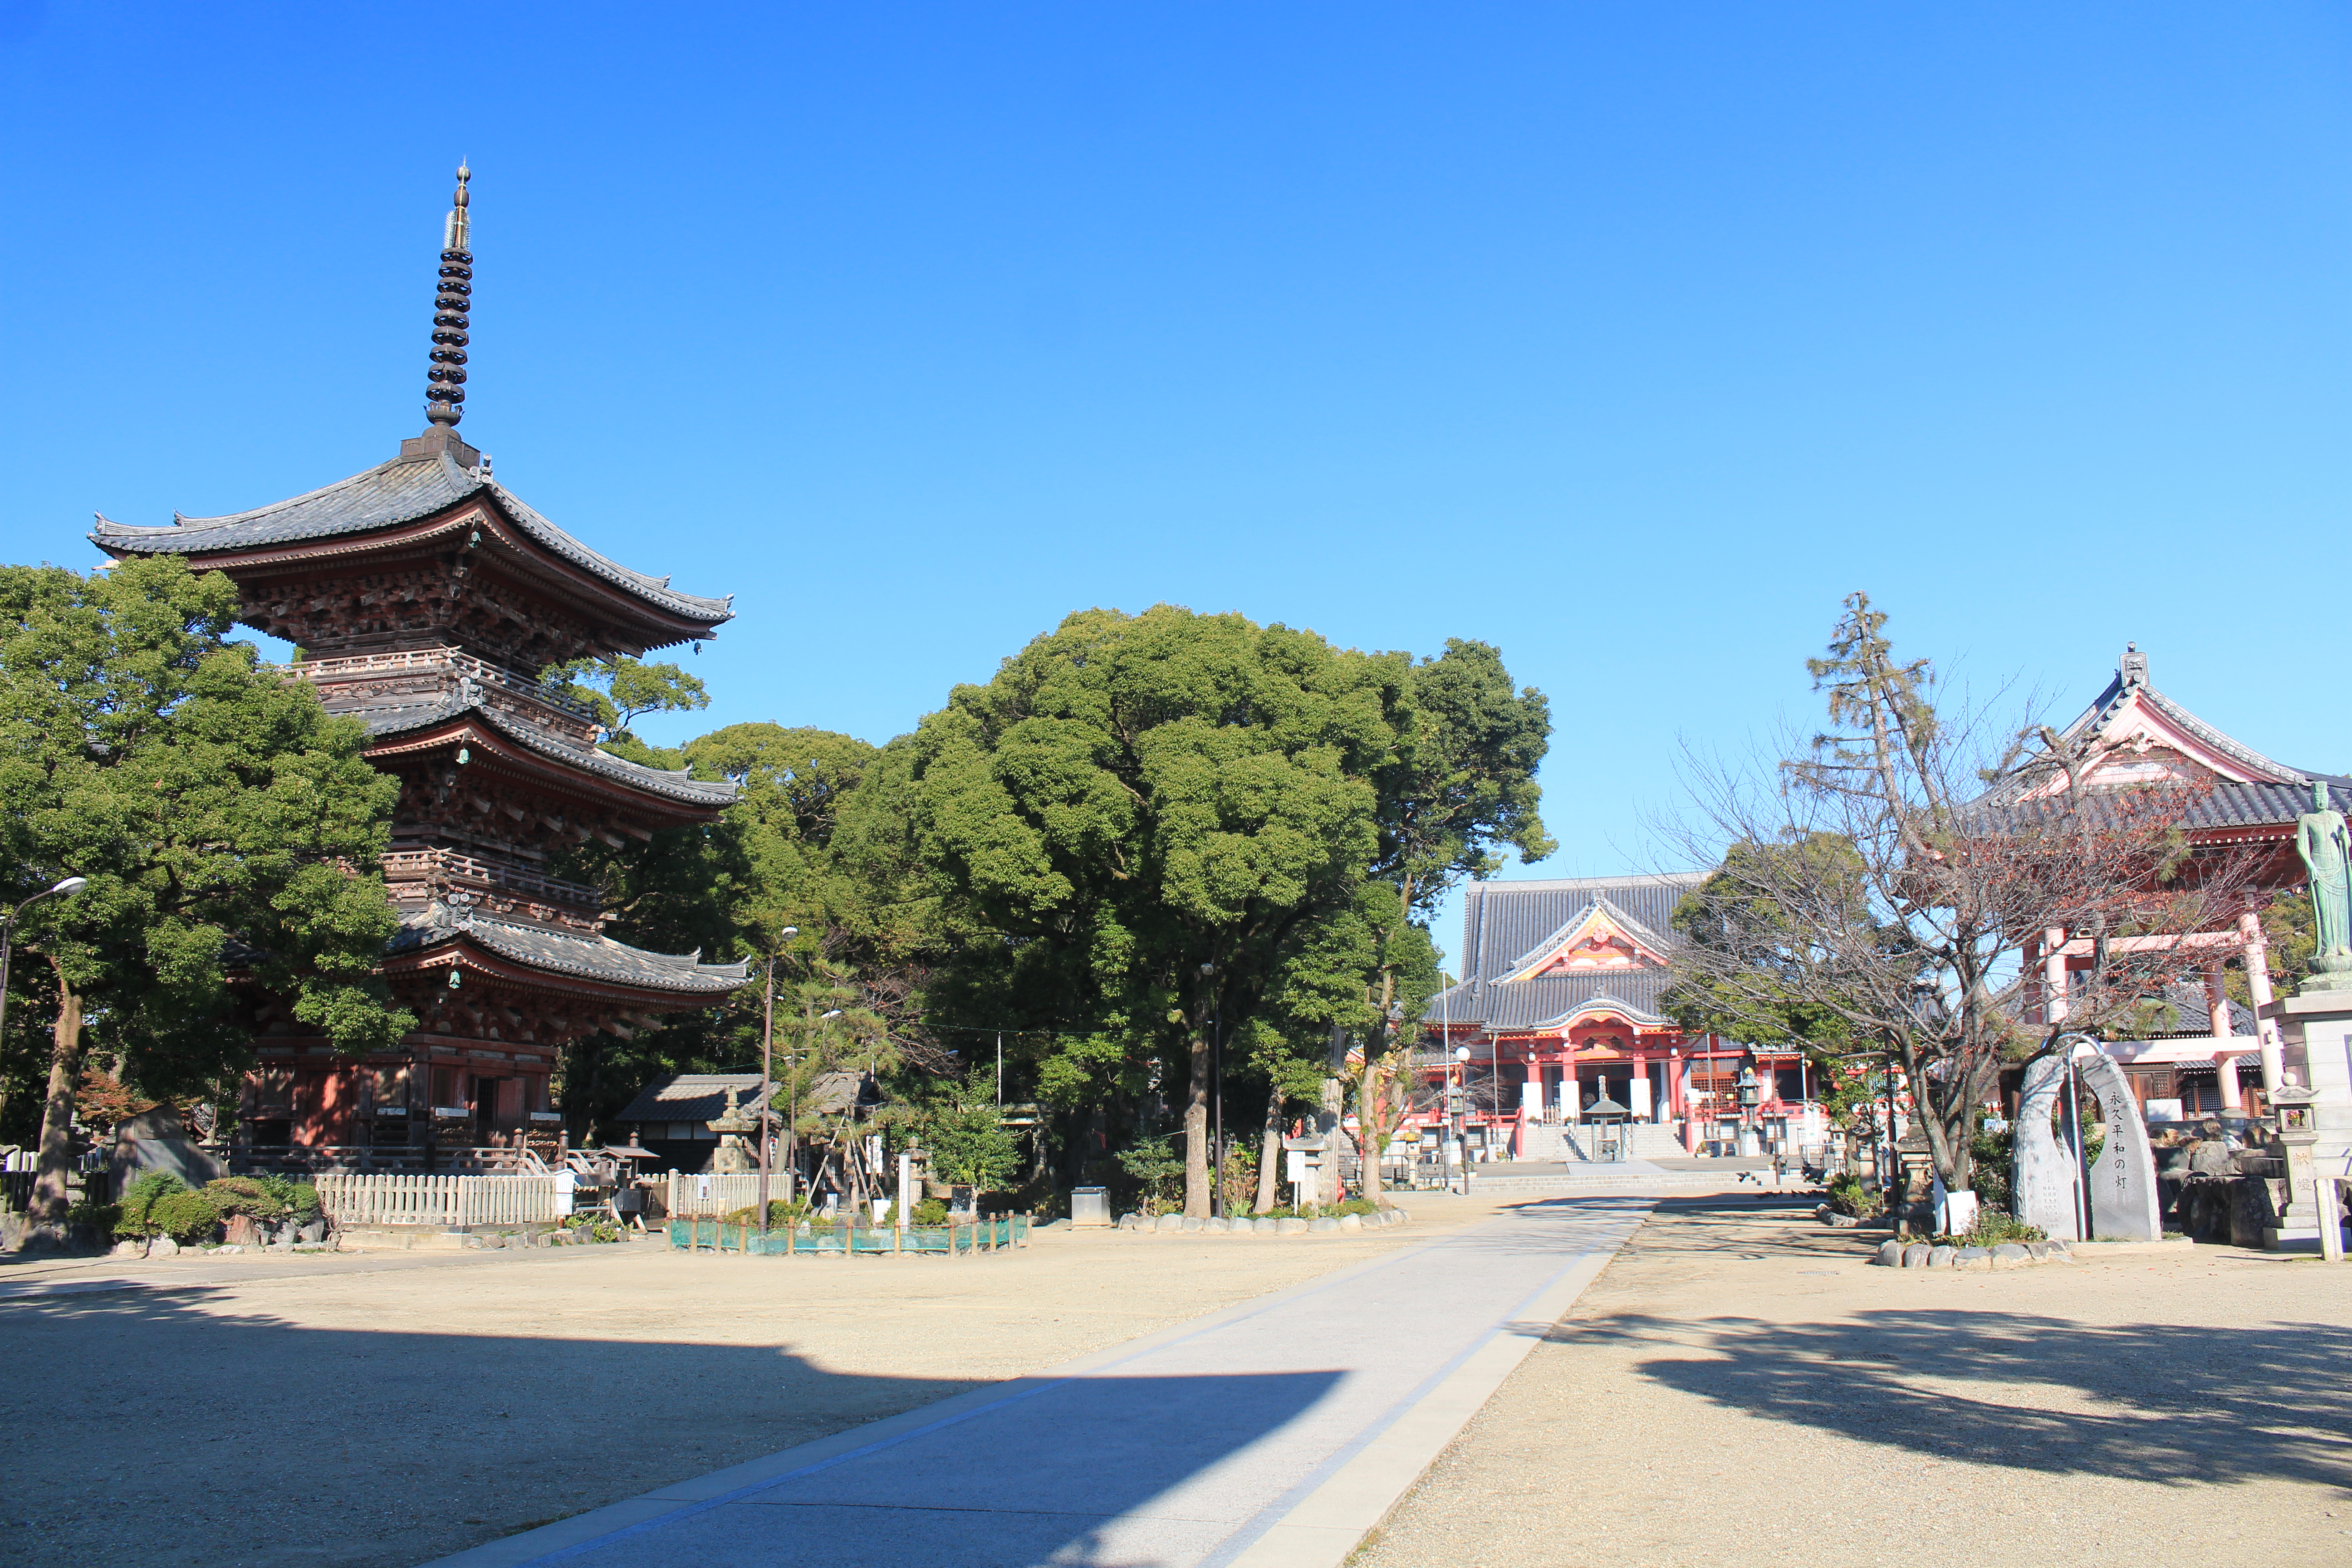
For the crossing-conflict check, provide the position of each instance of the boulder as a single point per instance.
(1972, 1258)
(1217, 1224)
(1290, 1227)
(1325, 1223)
(2010, 1255)
(129, 1247)
(312, 1231)
(1169, 1222)
(1351, 1222)
(245, 1230)
(1194, 1222)
(1889, 1255)
(2059, 1253)
(1241, 1225)
(1915, 1255)
(2038, 1250)
(1941, 1256)
(163, 1246)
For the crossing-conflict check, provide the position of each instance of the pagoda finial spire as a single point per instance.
(445, 388)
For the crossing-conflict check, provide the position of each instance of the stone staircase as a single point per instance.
(1571, 1145)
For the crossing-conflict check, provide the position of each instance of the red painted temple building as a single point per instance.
(1559, 1006)
(424, 598)
(2133, 734)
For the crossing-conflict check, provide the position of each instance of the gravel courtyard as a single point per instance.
(1738, 1388)
(381, 1410)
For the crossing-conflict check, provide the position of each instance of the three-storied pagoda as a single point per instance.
(425, 599)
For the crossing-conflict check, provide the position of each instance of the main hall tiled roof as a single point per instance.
(1505, 924)
(386, 496)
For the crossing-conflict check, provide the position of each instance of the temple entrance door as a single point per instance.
(486, 1111)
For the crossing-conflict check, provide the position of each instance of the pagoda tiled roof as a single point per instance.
(676, 786)
(567, 953)
(387, 496)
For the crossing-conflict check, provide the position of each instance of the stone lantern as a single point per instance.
(732, 1159)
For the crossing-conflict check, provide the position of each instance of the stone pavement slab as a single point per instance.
(1272, 1434)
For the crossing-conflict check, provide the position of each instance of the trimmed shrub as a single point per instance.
(137, 1219)
(184, 1217)
(783, 1214)
(246, 1196)
(1849, 1194)
(932, 1211)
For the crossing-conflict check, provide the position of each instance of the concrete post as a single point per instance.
(2258, 986)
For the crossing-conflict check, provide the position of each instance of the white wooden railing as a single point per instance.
(352, 1199)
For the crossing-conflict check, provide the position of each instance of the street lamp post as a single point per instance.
(66, 889)
(768, 1068)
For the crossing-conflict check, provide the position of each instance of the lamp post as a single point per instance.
(768, 1068)
(1216, 1096)
(66, 889)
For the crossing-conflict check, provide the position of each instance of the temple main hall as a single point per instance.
(424, 600)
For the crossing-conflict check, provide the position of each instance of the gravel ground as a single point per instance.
(1737, 1388)
(384, 1409)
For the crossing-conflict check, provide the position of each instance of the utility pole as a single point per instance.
(768, 1067)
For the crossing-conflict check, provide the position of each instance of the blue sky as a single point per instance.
(1629, 338)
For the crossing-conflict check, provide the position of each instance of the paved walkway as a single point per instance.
(1274, 1432)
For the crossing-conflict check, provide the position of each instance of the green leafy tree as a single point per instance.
(228, 827)
(1457, 787)
(1146, 810)
(620, 690)
(965, 1135)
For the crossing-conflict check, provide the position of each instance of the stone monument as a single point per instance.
(2046, 1178)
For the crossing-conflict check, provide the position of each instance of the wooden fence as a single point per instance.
(448, 1201)
(703, 1195)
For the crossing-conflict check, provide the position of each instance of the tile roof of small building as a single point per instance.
(386, 496)
(691, 1097)
(571, 953)
(702, 1096)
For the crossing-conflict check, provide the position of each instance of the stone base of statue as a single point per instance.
(2316, 1054)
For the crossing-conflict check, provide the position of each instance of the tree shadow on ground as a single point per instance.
(2163, 1402)
(152, 1425)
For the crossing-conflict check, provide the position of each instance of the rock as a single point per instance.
(1972, 1258)
(1219, 1226)
(163, 1246)
(1169, 1222)
(131, 1248)
(1404, 1216)
(1351, 1222)
(1290, 1227)
(1194, 1222)
(1941, 1256)
(2059, 1253)
(1242, 1225)
(245, 1230)
(1889, 1255)
(316, 1230)
(1831, 1217)
(2010, 1255)
(2038, 1250)
(1325, 1223)
(1915, 1255)
(1127, 1222)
